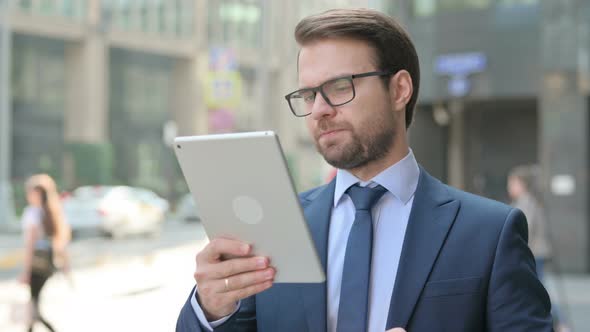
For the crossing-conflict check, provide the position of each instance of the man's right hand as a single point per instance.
(221, 283)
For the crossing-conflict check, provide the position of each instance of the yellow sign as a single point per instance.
(223, 89)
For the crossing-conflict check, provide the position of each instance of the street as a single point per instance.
(140, 284)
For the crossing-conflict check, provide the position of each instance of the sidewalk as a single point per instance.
(119, 293)
(140, 294)
(575, 289)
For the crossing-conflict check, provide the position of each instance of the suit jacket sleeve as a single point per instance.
(242, 321)
(517, 301)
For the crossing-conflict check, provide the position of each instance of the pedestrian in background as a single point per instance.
(524, 192)
(45, 238)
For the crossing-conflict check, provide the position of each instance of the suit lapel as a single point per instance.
(433, 213)
(317, 209)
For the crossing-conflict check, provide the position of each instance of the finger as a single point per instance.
(229, 289)
(247, 279)
(220, 246)
(232, 267)
(397, 329)
(242, 293)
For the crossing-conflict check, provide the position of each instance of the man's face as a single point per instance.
(352, 135)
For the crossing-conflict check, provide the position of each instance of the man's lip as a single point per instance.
(330, 132)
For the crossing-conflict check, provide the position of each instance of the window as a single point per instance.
(512, 3)
(74, 9)
(38, 77)
(425, 8)
(235, 23)
(165, 18)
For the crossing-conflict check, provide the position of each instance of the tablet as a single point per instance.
(243, 189)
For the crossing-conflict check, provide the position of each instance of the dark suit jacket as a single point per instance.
(465, 266)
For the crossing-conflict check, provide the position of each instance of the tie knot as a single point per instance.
(363, 198)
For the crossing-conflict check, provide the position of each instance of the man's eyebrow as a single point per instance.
(328, 80)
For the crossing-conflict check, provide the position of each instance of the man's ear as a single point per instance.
(400, 89)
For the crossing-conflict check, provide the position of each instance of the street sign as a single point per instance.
(459, 86)
(222, 59)
(459, 66)
(460, 63)
(221, 121)
(223, 89)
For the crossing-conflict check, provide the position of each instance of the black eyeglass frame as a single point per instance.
(320, 88)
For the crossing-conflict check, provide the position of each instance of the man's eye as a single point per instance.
(340, 86)
(308, 97)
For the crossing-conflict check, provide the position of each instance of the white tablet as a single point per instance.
(243, 189)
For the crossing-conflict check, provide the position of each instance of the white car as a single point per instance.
(118, 210)
(186, 209)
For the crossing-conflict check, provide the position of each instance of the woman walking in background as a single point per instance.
(45, 235)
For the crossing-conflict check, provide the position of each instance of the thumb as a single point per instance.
(397, 329)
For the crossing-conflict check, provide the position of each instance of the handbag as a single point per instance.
(42, 262)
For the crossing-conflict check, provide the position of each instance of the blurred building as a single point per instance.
(503, 83)
(93, 83)
(99, 87)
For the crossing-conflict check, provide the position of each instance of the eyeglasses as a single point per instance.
(336, 92)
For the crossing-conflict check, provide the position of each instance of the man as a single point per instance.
(400, 248)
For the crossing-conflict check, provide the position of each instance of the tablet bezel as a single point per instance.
(254, 165)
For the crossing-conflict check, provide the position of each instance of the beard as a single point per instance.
(368, 142)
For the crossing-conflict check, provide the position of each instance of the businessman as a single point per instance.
(400, 249)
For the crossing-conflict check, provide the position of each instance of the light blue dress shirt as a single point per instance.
(390, 218)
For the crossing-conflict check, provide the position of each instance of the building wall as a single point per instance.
(509, 37)
(536, 52)
(533, 90)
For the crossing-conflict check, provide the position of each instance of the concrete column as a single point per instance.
(266, 116)
(187, 103)
(564, 135)
(564, 160)
(86, 105)
(86, 116)
(6, 202)
(456, 147)
(188, 108)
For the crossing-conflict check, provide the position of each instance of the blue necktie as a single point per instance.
(354, 291)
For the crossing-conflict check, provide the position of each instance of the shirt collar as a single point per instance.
(400, 179)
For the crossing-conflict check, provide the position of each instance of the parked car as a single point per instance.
(186, 209)
(118, 211)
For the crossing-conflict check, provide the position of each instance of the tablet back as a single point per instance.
(243, 189)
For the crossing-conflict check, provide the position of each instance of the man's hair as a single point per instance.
(392, 44)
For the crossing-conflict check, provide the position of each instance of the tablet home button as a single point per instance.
(247, 209)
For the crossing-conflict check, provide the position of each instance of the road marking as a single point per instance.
(11, 260)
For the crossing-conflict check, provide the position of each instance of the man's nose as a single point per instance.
(321, 108)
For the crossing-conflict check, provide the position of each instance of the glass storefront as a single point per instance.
(140, 95)
(38, 103)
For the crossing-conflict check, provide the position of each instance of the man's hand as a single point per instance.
(221, 283)
(397, 329)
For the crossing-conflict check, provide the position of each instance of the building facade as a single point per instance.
(505, 83)
(97, 88)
